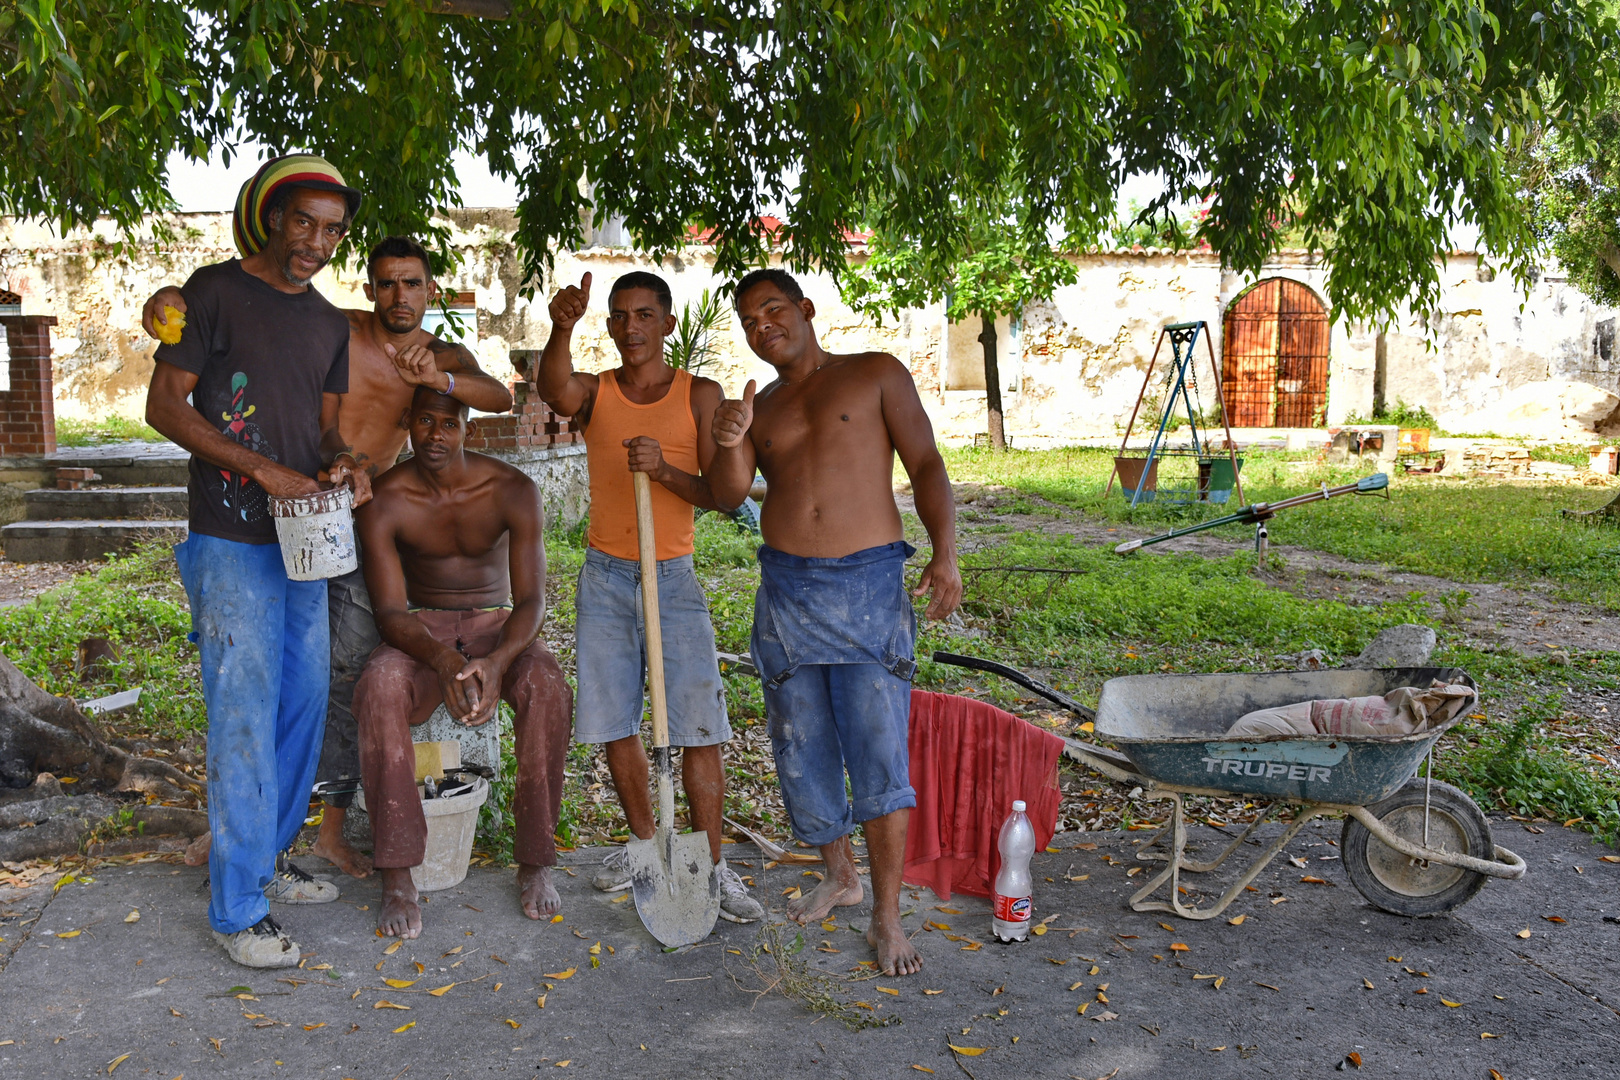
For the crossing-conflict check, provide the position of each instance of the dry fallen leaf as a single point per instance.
(1353, 1058)
(1275, 900)
(1609, 858)
(1076, 986)
(1106, 1017)
(134, 916)
(115, 1062)
(404, 1027)
(389, 1005)
(888, 990)
(1168, 927)
(931, 993)
(1549, 918)
(1524, 933)
(1094, 970)
(1488, 1035)
(400, 984)
(1080, 1010)
(923, 1068)
(1309, 880)
(560, 975)
(1176, 946)
(564, 1063)
(539, 1001)
(1451, 1004)
(968, 1051)
(393, 948)
(1367, 983)
(312, 1027)
(76, 933)
(441, 991)
(1236, 920)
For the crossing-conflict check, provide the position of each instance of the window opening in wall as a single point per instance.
(459, 323)
(1275, 364)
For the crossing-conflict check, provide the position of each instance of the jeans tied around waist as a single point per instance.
(849, 610)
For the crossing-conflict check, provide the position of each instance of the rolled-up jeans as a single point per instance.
(396, 691)
(264, 649)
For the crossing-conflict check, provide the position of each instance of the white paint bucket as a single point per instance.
(451, 825)
(316, 533)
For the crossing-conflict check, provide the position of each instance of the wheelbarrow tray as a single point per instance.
(1173, 729)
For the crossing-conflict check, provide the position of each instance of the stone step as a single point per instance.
(106, 503)
(130, 464)
(73, 541)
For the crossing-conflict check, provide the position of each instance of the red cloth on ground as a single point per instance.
(969, 761)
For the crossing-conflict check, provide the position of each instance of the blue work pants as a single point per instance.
(265, 675)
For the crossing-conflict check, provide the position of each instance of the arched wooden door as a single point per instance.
(1274, 371)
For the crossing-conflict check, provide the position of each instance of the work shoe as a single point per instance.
(295, 885)
(262, 945)
(615, 873)
(736, 904)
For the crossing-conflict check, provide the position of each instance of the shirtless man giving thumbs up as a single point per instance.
(833, 624)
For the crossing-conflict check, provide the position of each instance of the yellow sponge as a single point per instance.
(168, 331)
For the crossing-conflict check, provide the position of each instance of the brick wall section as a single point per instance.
(27, 410)
(531, 425)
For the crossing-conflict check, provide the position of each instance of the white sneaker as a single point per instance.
(262, 945)
(295, 885)
(736, 904)
(615, 873)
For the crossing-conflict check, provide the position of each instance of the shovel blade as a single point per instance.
(673, 880)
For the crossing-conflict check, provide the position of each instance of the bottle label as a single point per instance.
(1013, 908)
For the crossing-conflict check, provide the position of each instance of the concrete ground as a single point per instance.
(1290, 992)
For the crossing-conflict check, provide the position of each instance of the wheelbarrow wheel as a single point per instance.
(1404, 886)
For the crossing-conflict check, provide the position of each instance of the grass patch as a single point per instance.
(136, 602)
(1465, 530)
(71, 432)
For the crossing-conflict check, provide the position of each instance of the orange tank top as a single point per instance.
(615, 418)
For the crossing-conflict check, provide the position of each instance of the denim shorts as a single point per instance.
(833, 640)
(610, 653)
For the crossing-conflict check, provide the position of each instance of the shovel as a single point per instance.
(672, 876)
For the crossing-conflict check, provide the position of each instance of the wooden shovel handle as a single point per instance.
(649, 609)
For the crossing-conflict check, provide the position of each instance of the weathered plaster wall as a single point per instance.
(1072, 367)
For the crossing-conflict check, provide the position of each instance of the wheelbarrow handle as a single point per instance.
(1014, 675)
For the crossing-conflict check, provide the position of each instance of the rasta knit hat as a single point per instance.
(248, 223)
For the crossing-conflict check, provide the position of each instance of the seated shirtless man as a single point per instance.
(456, 567)
(833, 627)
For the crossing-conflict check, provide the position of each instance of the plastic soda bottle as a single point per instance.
(1012, 895)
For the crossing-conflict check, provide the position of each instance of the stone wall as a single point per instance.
(1489, 360)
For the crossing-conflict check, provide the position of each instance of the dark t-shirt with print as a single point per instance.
(262, 358)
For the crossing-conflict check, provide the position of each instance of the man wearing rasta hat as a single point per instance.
(390, 355)
(262, 359)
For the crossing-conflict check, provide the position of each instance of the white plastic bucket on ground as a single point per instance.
(316, 533)
(451, 824)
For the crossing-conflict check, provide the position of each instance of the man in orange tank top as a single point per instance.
(644, 416)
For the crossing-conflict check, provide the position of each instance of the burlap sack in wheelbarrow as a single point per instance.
(1402, 711)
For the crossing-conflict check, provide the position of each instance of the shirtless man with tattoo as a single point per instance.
(390, 355)
(834, 626)
(455, 561)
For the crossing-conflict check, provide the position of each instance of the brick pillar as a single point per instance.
(27, 410)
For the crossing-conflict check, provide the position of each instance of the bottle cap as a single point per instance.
(1018, 806)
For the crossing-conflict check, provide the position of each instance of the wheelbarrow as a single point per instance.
(1412, 846)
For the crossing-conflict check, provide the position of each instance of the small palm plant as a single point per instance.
(694, 345)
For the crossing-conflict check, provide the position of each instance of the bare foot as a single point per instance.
(330, 845)
(895, 954)
(835, 891)
(537, 894)
(197, 850)
(400, 916)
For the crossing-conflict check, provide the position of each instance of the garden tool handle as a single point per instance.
(649, 608)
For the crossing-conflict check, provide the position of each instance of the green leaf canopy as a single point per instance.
(1372, 127)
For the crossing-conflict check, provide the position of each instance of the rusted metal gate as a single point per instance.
(1275, 365)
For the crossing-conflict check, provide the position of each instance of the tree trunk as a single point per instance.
(1611, 255)
(992, 383)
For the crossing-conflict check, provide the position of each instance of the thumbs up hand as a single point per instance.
(733, 418)
(569, 305)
